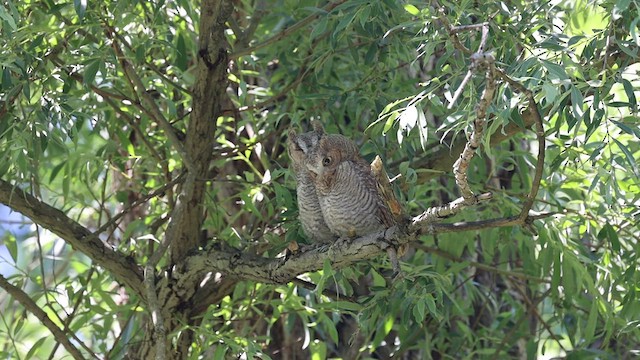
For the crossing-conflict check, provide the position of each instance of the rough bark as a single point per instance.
(208, 92)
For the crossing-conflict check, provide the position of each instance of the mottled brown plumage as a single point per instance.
(346, 188)
(310, 214)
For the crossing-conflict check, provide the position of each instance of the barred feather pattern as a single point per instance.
(310, 213)
(349, 198)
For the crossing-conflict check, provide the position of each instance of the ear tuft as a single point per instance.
(317, 127)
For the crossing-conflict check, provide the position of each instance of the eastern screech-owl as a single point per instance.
(310, 214)
(346, 188)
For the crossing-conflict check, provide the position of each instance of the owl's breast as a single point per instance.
(350, 205)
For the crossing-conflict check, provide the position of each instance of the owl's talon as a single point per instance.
(341, 241)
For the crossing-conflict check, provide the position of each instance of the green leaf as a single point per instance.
(320, 27)
(12, 245)
(35, 347)
(344, 22)
(220, 352)
(628, 89)
(629, 130)
(56, 169)
(592, 320)
(419, 311)
(4, 15)
(331, 329)
(555, 71)
(629, 156)
(80, 6)
(182, 60)
(90, 71)
(608, 232)
(550, 92)
(6, 78)
(412, 9)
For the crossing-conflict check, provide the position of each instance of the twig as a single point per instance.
(482, 224)
(533, 309)
(286, 32)
(69, 318)
(32, 307)
(460, 167)
(244, 36)
(461, 28)
(154, 68)
(453, 33)
(122, 267)
(478, 265)
(460, 89)
(326, 292)
(148, 104)
(533, 109)
(139, 202)
(128, 118)
(516, 326)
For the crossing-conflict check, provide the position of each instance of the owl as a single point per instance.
(310, 214)
(346, 188)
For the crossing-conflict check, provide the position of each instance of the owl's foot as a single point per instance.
(341, 241)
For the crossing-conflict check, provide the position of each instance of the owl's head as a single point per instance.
(300, 146)
(332, 150)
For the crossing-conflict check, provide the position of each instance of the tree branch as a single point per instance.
(123, 268)
(148, 104)
(537, 118)
(33, 308)
(236, 265)
(208, 92)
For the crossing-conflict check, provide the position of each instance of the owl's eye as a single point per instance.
(326, 161)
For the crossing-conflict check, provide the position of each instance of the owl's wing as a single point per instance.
(386, 192)
(395, 210)
(371, 182)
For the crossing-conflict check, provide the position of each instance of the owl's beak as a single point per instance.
(314, 169)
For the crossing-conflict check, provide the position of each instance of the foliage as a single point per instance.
(78, 133)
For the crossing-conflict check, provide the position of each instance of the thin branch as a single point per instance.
(460, 167)
(157, 192)
(483, 224)
(149, 106)
(244, 36)
(67, 321)
(478, 265)
(129, 119)
(286, 32)
(533, 110)
(326, 292)
(284, 92)
(154, 68)
(33, 308)
(244, 266)
(516, 326)
(123, 267)
(453, 33)
(533, 309)
(474, 27)
(458, 92)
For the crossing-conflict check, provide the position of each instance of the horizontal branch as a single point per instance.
(243, 266)
(123, 268)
